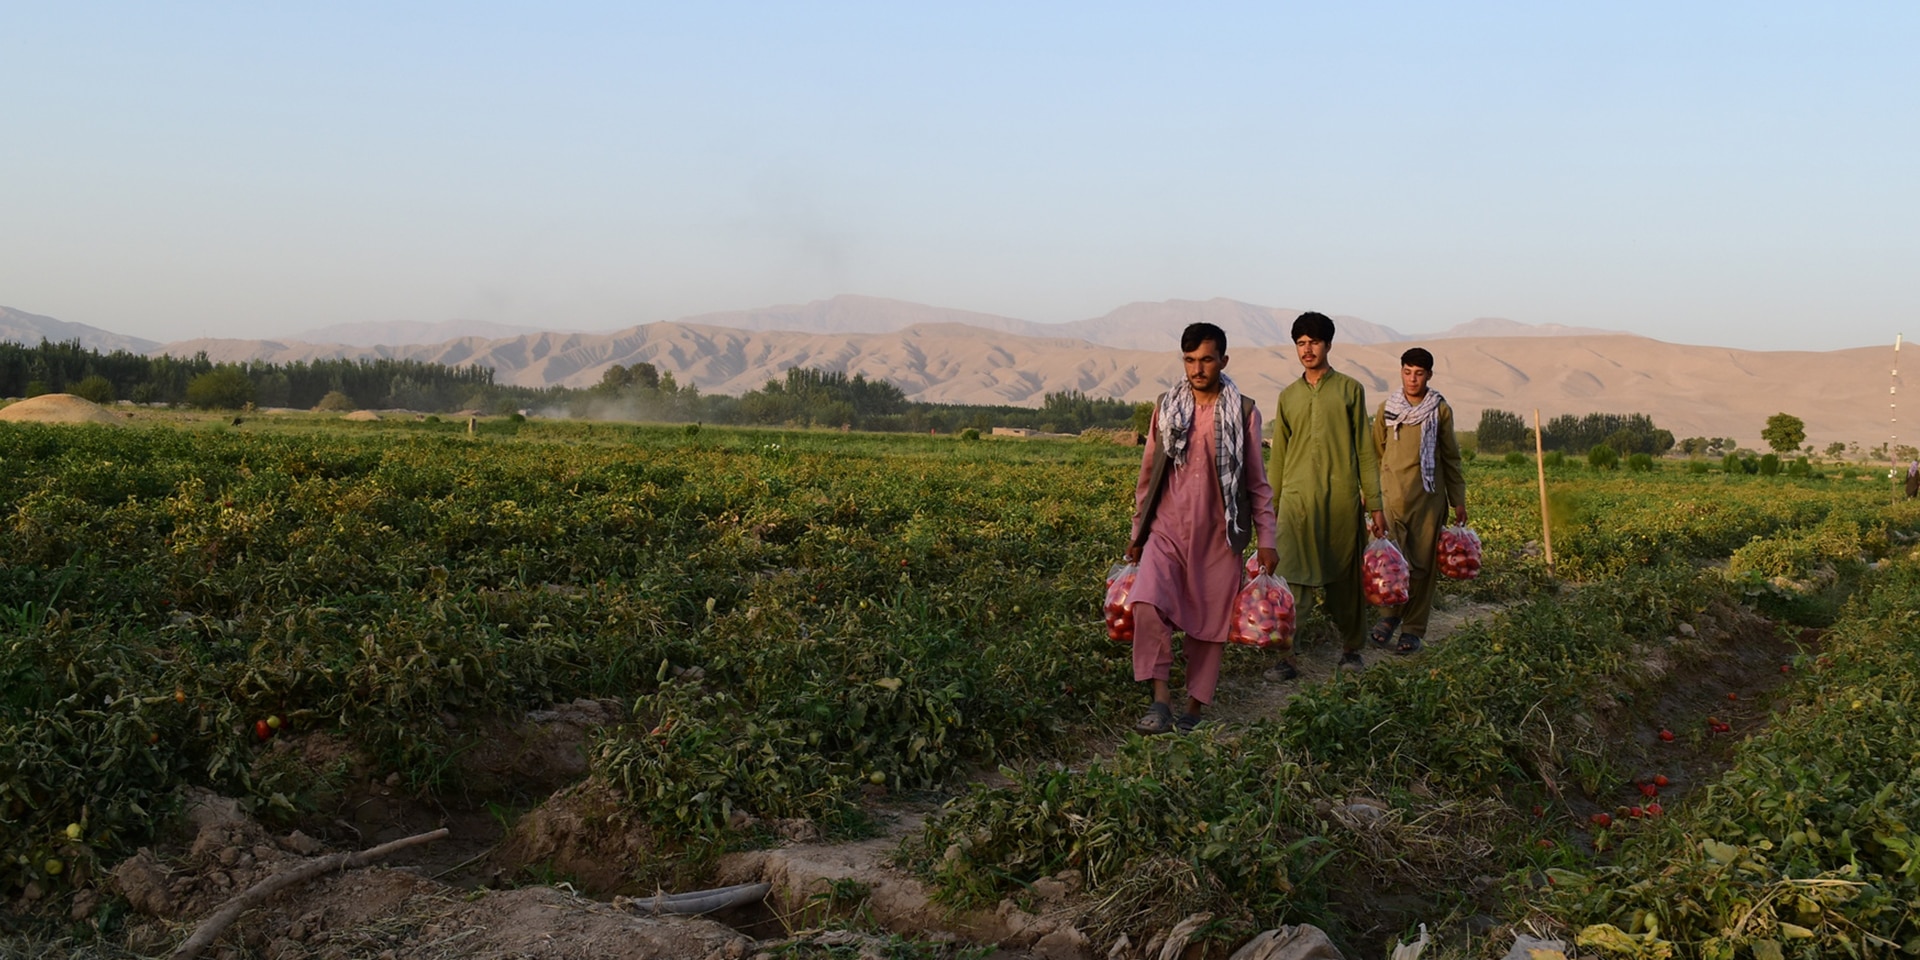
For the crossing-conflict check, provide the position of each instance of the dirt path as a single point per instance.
(1245, 696)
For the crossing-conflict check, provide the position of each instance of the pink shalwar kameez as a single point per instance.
(1189, 573)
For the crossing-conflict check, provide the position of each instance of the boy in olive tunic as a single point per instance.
(1323, 473)
(1420, 476)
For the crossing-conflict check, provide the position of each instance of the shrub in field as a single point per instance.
(1697, 467)
(1603, 457)
(1514, 458)
(1555, 458)
(96, 388)
(334, 402)
(969, 434)
(1799, 467)
(1731, 464)
(1769, 465)
(1640, 463)
(222, 388)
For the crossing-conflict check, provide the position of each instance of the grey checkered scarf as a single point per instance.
(1426, 413)
(1229, 438)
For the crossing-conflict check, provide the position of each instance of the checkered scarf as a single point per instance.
(1426, 414)
(1229, 438)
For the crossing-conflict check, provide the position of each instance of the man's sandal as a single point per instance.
(1382, 632)
(1409, 643)
(1159, 719)
(1186, 722)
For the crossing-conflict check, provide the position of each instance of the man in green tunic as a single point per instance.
(1420, 476)
(1324, 475)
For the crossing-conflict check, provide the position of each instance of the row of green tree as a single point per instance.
(1501, 431)
(804, 398)
(807, 397)
(27, 371)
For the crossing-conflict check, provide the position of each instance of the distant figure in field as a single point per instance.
(1201, 498)
(1324, 474)
(1913, 479)
(1420, 476)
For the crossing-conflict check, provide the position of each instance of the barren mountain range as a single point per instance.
(954, 356)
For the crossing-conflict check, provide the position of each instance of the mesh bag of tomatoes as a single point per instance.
(1459, 553)
(1384, 574)
(1119, 605)
(1263, 613)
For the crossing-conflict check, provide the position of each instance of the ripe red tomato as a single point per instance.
(1659, 779)
(261, 730)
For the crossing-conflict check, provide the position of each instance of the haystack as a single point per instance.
(361, 416)
(58, 408)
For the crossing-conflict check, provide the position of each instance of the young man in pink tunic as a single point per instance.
(1202, 496)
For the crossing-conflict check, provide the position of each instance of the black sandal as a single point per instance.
(1187, 721)
(1159, 719)
(1409, 643)
(1382, 632)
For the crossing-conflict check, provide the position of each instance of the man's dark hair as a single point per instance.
(1199, 333)
(1417, 357)
(1313, 324)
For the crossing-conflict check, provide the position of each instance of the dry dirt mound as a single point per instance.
(378, 911)
(361, 416)
(59, 408)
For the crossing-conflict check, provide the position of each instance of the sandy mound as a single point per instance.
(361, 416)
(58, 408)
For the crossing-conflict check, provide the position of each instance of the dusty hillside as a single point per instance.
(1691, 390)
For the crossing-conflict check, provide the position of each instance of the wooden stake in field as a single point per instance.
(1893, 421)
(1540, 466)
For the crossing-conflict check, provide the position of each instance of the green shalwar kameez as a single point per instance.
(1325, 481)
(1415, 515)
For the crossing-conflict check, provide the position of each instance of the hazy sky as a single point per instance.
(1745, 174)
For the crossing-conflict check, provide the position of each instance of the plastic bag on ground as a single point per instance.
(1384, 574)
(1263, 613)
(1459, 551)
(1119, 604)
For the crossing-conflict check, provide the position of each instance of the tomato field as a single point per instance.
(802, 626)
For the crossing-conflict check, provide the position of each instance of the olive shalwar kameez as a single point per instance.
(1325, 481)
(1415, 515)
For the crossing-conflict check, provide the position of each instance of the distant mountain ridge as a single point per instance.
(942, 357)
(19, 326)
(374, 334)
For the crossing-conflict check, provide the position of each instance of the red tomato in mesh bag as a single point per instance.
(1119, 604)
(1459, 553)
(1263, 614)
(1384, 574)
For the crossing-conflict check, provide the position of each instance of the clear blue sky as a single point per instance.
(1745, 174)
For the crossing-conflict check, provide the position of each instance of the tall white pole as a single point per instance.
(1893, 419)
